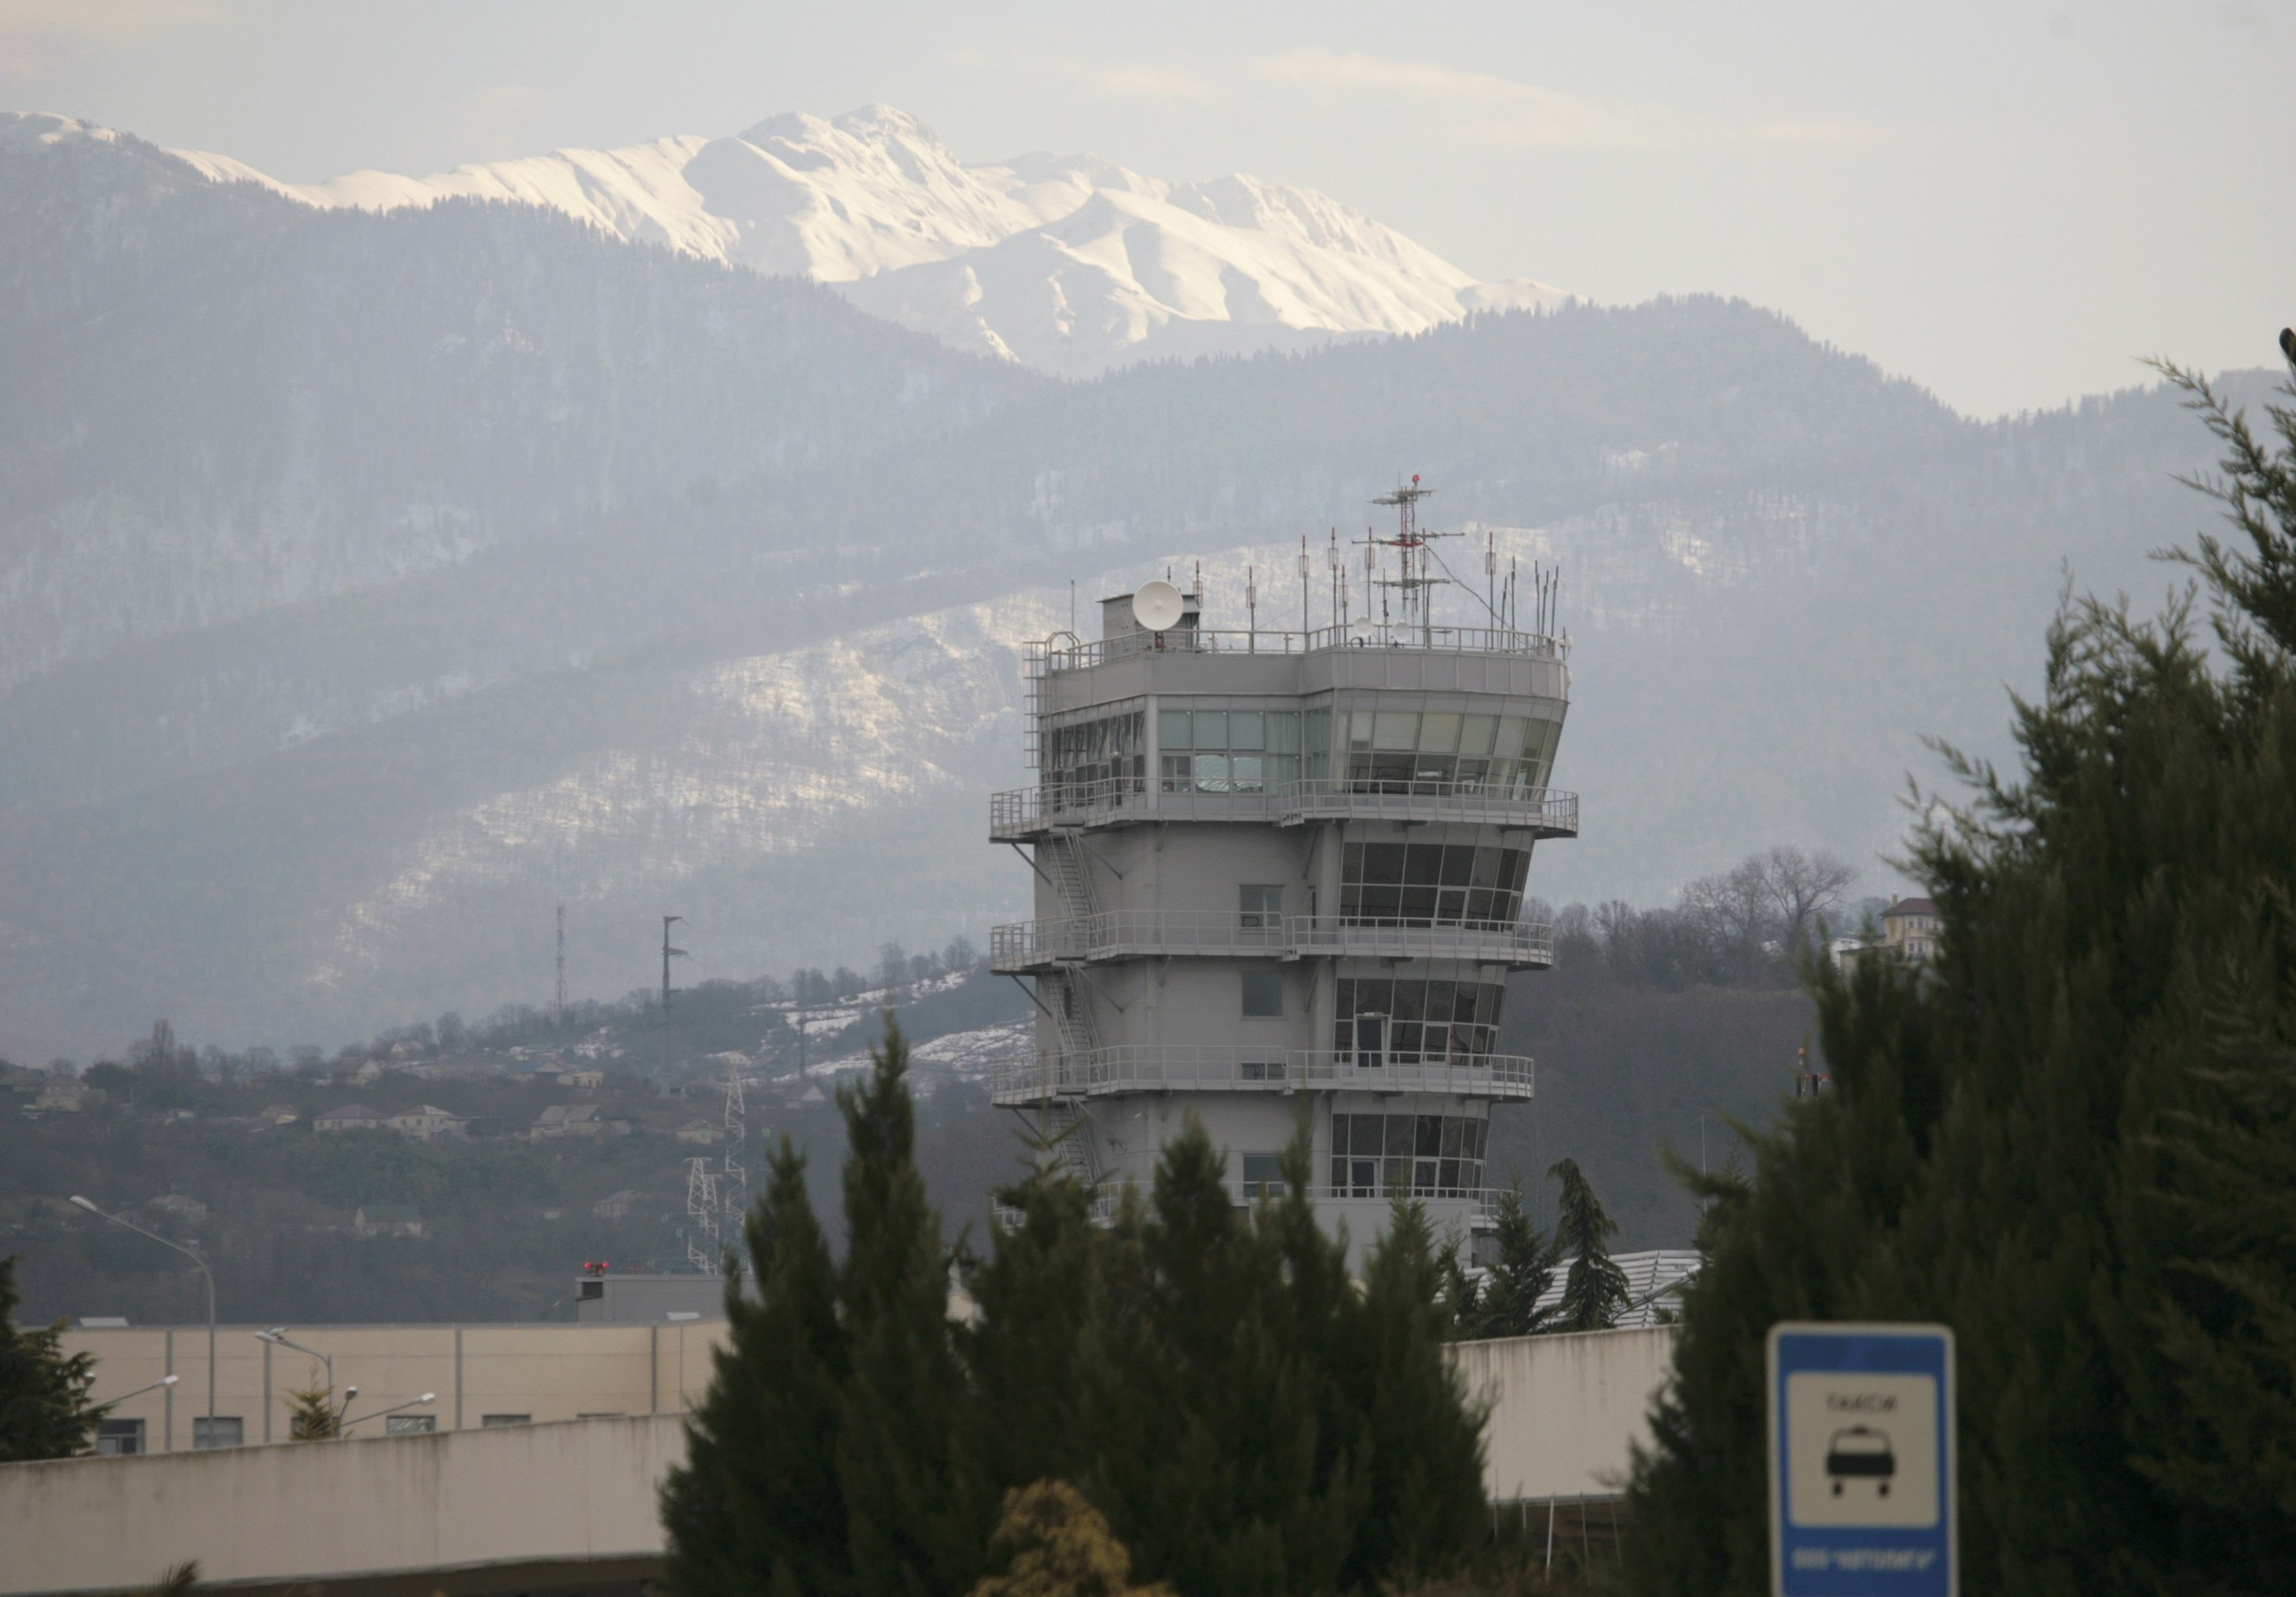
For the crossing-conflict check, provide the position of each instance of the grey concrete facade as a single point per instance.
(1279, 880)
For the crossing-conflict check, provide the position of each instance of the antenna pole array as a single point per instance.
(1414, 561)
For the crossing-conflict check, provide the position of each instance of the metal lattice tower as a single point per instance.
(701, 1212)
(736, 1174)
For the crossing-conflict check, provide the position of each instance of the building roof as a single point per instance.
(349, 1112)
(1910, 906)
(562, 1113)
(430, 1109)
(1653, 1283)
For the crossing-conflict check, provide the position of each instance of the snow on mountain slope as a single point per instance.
(1067, 263)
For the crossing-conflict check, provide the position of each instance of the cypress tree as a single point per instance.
(1593, 1288)
(1506, 1303)
(1224, 1450)
(1031, 1298)
(2070, 1138)
(918, 1519)
(757, 1507)
(44, 1412)
(1423, 1508)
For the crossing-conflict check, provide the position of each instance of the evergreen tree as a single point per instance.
(1424, 1503)
(757, 1507)
(312, 1415)
(2072, 1137)
(1506, 1303)
(44, 1412)
(1593, 1288)
(1031, 1297)
(918, 1518)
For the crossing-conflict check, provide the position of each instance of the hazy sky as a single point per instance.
(2007, 202)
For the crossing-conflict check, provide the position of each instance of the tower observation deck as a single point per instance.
(1279, 877)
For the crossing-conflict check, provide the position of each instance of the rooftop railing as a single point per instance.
(1054, 655)
(1152, 1067)
(1131, 933)
(1482, 1202)
(1023, 812)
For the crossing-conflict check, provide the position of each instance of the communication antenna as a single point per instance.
(1303, 590)
(1157, 606)
(1414, 578)
(558, 1016)
(1251, 604)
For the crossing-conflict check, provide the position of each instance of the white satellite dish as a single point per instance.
(1157, 606)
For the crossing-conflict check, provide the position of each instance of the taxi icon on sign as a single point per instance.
(1860, 1453)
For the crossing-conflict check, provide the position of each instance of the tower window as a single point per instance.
(1260, 906)
(1263, 995)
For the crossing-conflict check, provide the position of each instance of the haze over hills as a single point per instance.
(371, 582)
(1069, 264)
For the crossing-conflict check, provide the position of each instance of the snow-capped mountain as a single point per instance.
(1066, 263)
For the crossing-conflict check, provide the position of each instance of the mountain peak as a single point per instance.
(1070, 263)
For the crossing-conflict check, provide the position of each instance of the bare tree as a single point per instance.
(1802, 888)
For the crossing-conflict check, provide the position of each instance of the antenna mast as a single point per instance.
(1414, 575)
(668, 954)
(558, 1016)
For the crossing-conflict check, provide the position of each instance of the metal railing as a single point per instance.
(1121, 934)
(1547, 810)
(1150, 1068)
(1023, 812)
(1482, 1202)
(1359, 634)
(1511, 941)
(1131, 933)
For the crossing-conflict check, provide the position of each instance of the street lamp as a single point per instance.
(81, 1203)
(277, 1335)
(164, 1380)
(343, 1427)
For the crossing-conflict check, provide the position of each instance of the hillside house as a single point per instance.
(1909, 930)
(350, 1117)
(617, 1205)
(703, 1134)
(386, 1219)
(61, 1095)
(428, 1123)
(582, 1081)
(567, 1120)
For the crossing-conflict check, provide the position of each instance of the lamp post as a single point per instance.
(343, 1427)
(164, 1380)
(81, 1203)
(277, 1335)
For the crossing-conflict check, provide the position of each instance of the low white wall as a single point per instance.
(1564, 1411)
(584, 1488)
(1566, 1408)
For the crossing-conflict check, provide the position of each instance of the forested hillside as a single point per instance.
(371, 584)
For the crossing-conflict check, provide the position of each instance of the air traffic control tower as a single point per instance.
(1280, 874)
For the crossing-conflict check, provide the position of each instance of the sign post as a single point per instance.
(1861, 1456)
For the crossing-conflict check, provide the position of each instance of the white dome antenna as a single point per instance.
(1157, 606)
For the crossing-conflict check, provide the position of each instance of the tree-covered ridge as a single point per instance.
(2072, 1139)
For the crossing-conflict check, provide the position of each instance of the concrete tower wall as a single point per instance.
(1279, 879)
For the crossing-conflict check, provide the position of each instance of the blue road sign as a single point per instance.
(1862, 1462)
